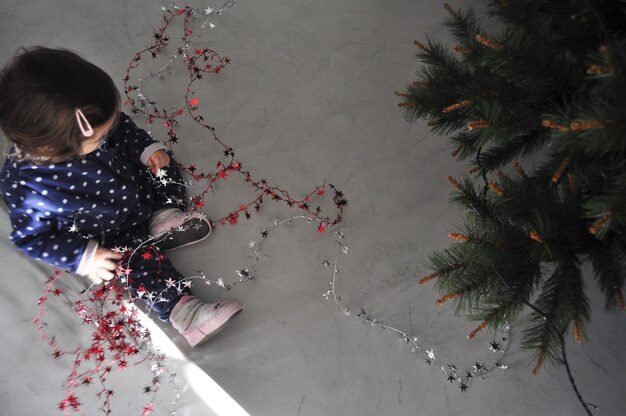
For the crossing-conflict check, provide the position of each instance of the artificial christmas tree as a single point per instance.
(552, 85)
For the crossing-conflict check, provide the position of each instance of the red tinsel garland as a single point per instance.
(117, 343)
(118, 340)
(206, 61)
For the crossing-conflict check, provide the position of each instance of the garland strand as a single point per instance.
(118, 339)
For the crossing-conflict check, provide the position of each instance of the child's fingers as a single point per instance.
(162, 162)
(164, 158)
(105, 274)
(108, 265)
(158, 160)
(95, 279)
(114, 255)
(152, 166)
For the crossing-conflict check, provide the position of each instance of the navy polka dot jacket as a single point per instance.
(56, 209)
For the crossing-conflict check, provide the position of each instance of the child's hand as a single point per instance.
(103, 265)
(157, 160)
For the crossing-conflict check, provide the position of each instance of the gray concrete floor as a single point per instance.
(308, 96)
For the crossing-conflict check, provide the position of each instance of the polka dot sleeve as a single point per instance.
(36, 232)
(131, 140)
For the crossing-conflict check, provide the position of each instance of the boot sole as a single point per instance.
(196, 230)
(204, 331)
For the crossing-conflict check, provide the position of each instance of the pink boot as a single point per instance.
(197, 320)
(175, 228)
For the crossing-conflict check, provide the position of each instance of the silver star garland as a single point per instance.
(143, 100)
(245, 274)
(452, 373)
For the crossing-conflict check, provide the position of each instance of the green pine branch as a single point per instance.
(608, 259)
(498, 156)
(562, 302)
(550, 85)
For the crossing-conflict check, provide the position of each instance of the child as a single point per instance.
(77, 184)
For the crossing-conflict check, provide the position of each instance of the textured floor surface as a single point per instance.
(308, 97)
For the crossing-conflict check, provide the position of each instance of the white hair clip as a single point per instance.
(85, 129)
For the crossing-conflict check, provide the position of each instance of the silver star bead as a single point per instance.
(243, 273)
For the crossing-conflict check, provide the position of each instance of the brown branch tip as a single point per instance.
(428, 278)
(538, 363)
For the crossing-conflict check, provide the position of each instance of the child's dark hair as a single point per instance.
(40, 91)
